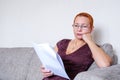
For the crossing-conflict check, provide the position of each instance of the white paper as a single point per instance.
(50, 59)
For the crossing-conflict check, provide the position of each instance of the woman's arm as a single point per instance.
(56, 48)
(45, 72)
(100, 57)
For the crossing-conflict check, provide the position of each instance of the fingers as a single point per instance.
(46, 72)
(87, 37)
(84, 37)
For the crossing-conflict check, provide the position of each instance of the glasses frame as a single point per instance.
(83, 27)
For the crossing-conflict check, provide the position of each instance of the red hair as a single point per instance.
(84, 14)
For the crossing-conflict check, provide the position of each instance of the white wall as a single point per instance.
(25, 21)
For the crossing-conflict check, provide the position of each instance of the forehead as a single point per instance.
(81, 20)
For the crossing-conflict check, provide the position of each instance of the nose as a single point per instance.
(79, 28)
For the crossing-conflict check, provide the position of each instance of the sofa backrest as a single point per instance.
(16, 64)
(108, 48)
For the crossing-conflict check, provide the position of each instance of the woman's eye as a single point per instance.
(76, 26)
(84, 26)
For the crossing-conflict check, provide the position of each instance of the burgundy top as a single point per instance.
(78, 61)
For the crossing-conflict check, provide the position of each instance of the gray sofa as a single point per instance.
(22, 63)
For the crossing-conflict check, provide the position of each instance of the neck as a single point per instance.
(78, 40)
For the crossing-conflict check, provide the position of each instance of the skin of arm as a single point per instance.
(56, 49)
(100, 57)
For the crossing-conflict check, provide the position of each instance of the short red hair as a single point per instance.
(84, 14)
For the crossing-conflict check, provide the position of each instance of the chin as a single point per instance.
(79, 37)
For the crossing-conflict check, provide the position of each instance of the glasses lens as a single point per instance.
(82, 26)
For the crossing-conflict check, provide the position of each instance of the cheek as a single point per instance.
(74, 31)
(86, 31)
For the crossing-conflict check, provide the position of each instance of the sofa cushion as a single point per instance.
(109, 50)
(14, 63)
(106, 73)
(34, 72)
(3, 76)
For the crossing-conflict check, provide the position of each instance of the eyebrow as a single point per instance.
(81, 24)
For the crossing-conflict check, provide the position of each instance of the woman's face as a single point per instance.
(81, 26)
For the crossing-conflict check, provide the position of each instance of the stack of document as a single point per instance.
(50, 59)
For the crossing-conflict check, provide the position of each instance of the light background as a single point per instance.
(23, 22)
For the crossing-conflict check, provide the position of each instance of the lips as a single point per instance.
(79, 34)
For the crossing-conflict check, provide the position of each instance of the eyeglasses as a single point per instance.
(84, 27)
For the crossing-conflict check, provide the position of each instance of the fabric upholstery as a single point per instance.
(34, 68)
(22, 63)
(108, 48)
(14, 63)
(107, 73)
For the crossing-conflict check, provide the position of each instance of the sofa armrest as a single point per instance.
(107, 73)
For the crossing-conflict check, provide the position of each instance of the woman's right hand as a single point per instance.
(46, 72)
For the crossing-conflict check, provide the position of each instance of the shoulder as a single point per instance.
(63, 42)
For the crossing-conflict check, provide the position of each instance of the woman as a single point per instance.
(79, 53)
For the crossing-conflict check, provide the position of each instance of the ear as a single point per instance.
(92, 28)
